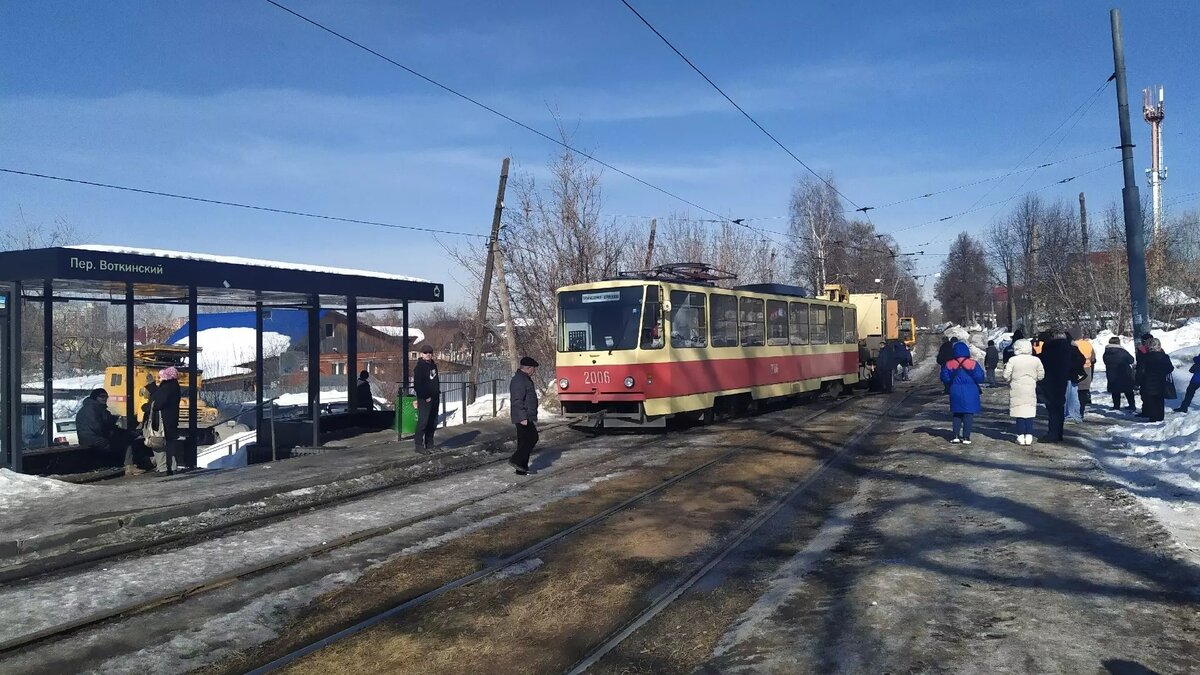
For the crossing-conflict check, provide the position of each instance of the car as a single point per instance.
(65, 433)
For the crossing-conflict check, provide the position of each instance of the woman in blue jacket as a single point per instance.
(962, 376)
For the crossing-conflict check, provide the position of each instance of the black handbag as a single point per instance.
(1169, 391)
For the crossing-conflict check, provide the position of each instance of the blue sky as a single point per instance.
(242, 102)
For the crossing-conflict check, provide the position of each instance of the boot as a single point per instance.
(132, 470)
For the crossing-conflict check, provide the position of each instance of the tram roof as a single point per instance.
(160, 274)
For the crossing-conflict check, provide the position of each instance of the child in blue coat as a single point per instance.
(1192, 386)
(962, 376)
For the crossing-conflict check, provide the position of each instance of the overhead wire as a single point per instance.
(221, 202)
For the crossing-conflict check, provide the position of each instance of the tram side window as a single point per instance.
(652, 337)
(817, 325)
(777, 323)
(752, 319)
(851, 325)
(724, 320)
(689, 321)
(799, 323)
(835, 326)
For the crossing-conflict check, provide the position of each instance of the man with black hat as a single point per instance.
(428, 389)
(523, 408)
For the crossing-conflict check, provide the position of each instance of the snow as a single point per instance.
(234, 260)
(18, 488)
(331, 396)
(1158, 462)
(223, 350)
(1174, 297)
(416, 334)
(76, 383)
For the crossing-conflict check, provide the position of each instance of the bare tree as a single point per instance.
(728, 246)
(24, 233)
(816, 223)
(962, 288)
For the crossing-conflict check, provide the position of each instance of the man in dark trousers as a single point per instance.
(991, 359)
(429, 391)
(523, 408)
(885, 367)
(97, 429)
(1062, 362)
(362, 392)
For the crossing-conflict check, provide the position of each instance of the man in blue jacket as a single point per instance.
(1192, 386)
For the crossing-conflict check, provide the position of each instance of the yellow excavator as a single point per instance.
(147, 361)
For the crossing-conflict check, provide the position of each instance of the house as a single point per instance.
(452, 339)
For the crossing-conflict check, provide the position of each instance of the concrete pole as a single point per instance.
(486, 292)
(1135, 244)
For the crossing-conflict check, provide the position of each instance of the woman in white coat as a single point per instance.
(1023, 371)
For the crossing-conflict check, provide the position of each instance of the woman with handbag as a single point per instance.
(1158, 381)
(164, 407)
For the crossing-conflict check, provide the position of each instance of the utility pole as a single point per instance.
(1031, 276)
(485, 292)
(510, 330)
(650, 248)
(1135, 244)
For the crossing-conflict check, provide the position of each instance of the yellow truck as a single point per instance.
(147, 361)
(908, 331)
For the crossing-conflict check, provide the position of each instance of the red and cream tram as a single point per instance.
(649, 345)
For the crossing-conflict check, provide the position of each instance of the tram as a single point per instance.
(653, 344)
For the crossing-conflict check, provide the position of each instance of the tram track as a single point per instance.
(538, 546)
(67, 629)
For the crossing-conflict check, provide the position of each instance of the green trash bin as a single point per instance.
(406, 415)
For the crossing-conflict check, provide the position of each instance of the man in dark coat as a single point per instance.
(165, 402)
(363, 397)
(904, 359)
(429, 391)
(885, 367)
(1118, 365)
(1062, 361)
(991, 359)
(946, 351)
(523, 410)
(1009, 350)
(97, 429)
(1156, 368)
(1140, 364)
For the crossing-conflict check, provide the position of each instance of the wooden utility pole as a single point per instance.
(650, 248)
(510, 330)
(485, 292)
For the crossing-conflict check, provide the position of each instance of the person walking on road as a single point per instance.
(1156, 371)
(362, 392)
(1193, 385)
(991, 359)
(523, 410)
(1023, 371)
(165, 401)
(1118, 366)
(1061, 361)
(429, 391)
(904, 359)
(962, 376)
(885, 367)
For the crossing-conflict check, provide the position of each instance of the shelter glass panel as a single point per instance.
(608, 319)
(817, 324)
(835, 326)
(724, 320)
(752, 319)
(777, 323)
(689, 320)
(799, 323)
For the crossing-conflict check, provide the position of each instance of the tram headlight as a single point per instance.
(562, 383)
(629, 382)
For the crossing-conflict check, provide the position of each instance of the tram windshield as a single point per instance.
(602, 319)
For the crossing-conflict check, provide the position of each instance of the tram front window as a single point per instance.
(603, 319)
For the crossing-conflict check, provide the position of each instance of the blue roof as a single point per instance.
(290, 322)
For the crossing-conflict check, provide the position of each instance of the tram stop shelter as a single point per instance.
(129, 277)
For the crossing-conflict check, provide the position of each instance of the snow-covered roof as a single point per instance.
(223, 350)
(234, 260)
(398, 331)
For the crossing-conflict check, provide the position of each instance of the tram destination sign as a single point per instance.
(604, 296)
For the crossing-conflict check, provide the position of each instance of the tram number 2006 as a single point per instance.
(596, 377)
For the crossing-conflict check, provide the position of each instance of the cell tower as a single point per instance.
(1157, 173)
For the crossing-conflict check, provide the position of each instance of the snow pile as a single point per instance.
(333, 396)
(224, 350)
(416, 334)
(17, 487)
(1174, 297)
(975, 340)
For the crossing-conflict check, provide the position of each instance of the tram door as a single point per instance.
(6, 420)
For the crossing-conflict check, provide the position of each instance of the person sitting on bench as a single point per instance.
(98, 430)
